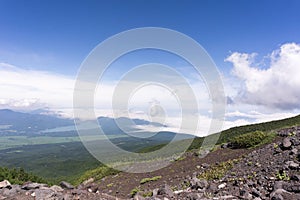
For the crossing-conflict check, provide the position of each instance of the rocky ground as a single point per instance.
(267, 172)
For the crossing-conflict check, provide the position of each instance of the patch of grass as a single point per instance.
(148, 194)
(109, 185)
(265, 127)
(185, 184)
(134, 191)
(178, 158)
(146, 180)
(97, 174)
(249, 139)
(281, 175)
(217, 171)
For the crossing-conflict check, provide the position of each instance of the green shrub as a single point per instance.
(148, 194)
(18, 176)
(281, 175)
(145, 180)
(217, 171)
(97, 174)
(249, 139)
(134, 191)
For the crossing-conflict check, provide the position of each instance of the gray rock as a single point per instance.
(286, 143)
(292, 165)
(244, 194)
(138, 197)
(198, 184)
(213, 187)
(42, 194)
(30, 186)
(222, 186)
(228, 197)
(281, 194)
(205, 165)
(293, 188)
(4, 184)
(6, 192)
(295, 177)
(278, 185)
(294, 151)
(153, 198)
(12, 191)
(195, 196)
(225, 145)
(155, 192)
(66, 185)
(255, 192)
(56, 188)
(166, 190)
(67, 197)
(89, 181)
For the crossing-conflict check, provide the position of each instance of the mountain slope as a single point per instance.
(21, 123)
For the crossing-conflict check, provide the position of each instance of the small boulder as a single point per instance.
(155, 192)
(293, 188)
(66, 185)
(294, 151)
(225, 145)
(86, 182)
(221, 186)
(198, 184)
(195, 196)
(278, 185)
(4, 184)
(56, 188)
(31, 186)
(166, 190)
(292, 165)
(286, 143)
(295, 177)
(138, 197)
(41, 194)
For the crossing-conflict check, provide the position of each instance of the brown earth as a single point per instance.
(120, 185)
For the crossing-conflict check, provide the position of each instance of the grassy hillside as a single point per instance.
(72, 162)
(264, 127)
(229, 134)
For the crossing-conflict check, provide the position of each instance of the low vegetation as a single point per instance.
(281, 175)
(71, 162)
(97, 174)
(228, 134)
(217, 171)
(18, 176)
(134, 191)
(249, 139)
(146, 180)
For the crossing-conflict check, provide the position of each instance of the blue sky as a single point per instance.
(58, 35)
(254, 43)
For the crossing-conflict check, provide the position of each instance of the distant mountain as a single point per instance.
(13, 122)
(112, 126)
(34, 123)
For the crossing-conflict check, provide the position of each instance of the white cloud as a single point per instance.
(274, 87)
(21, 89)
(29, 89)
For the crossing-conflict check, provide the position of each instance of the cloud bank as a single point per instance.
(277, 86)
(30, 89)
(264, 92)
